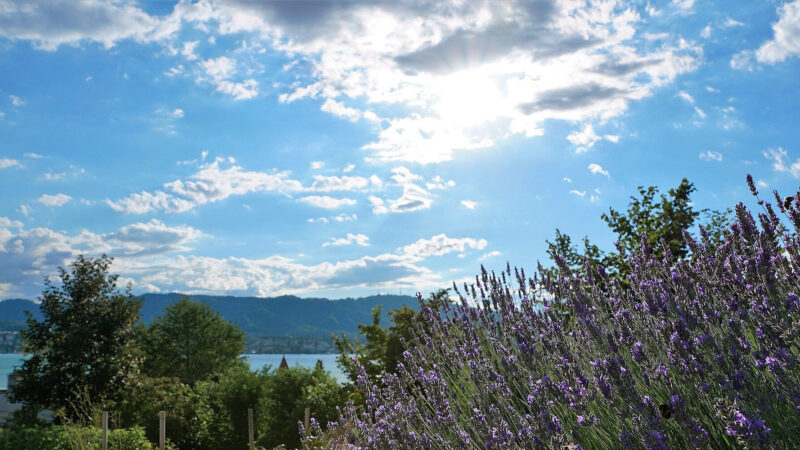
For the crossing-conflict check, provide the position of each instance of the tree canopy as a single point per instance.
(192, 342)
(83, 350)
(649, 219)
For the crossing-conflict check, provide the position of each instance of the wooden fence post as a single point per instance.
(251, 441)
(162, 430)
(104, 443)
(306, 420)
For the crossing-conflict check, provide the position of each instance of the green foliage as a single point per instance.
(237, 390)
(648, 218)
(191, 342)
(72, 438)
(287, 393)
(383, 348)
(187, 412)
(83, 351)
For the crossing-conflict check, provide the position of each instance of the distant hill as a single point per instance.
(12, 313)
(274, 316)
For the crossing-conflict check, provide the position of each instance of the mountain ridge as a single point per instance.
(285, 315)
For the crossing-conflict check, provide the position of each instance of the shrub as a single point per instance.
(72, 438)
(700, 351)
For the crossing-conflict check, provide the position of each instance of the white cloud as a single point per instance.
(742, 60)
(28, 255)
(786, 40)
(684, 5)
(567, 179)
(578, 193)
(349, 168)
(730, 23)
(712, 89)
(50, 176)
(25, 210)
(686, 96)
(219, 71)
(327, 202)
(358, 239)
(700, 112)
(586, 138)
(709, 155)
(488, 255)
(460, 98)
(468, 75)
(469, 204)
(375, 181)
(177, 113)
(33, 155)
(55, 201)
(16, 101)
(333, 183)
(187, 51)
(378, 205)
(778, 157)
(316, 165)
(7, 162)
(441, 245)
(338, 218)
(339, 109)
(597, 168)
(706, 33)
(209, 184)
(762, 184)
(414, 196)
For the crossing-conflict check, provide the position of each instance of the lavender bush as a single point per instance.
(701, 352)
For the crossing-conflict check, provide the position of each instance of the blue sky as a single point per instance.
(343, 149)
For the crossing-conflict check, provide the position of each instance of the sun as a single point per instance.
(468, 98)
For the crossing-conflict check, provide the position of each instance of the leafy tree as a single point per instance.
(188, 414)
(83, 351)
(191, 342)
(287, 393)
(650, 217)
(382, 348)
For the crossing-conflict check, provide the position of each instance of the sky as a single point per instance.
(334, 149)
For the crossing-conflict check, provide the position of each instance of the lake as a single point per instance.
(9, 360)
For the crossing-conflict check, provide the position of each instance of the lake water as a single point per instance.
(9, 360)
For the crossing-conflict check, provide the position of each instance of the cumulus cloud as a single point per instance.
(327, 202)
(709, 155)
(471, 74)
(210, 184)
(586, 138)
(414, 196)
(333, 183)
(54, 200)
(441, 245)
(467, 74)
(358, 239)
(219, 72)
(58, 22)
(469, 204)
(778, 157)
(16, 101)
(28, 255)
(337, 218)
(597, 168)
(786, 40)
(5, 163)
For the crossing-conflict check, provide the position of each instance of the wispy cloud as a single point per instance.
(55, 201)
(597, 168)
(358, 239)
